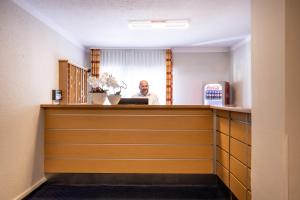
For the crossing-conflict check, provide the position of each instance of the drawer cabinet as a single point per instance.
(233, 152)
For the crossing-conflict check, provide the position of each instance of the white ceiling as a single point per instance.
(103, 23)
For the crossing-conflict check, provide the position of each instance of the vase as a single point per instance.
(114, 98)
(98, 98)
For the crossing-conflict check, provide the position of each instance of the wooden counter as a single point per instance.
(147, 107)
(178, 139)
(128, 139)
(232, 109)
(122, 107)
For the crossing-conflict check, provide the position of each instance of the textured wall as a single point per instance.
(29, 56)
(241, 74)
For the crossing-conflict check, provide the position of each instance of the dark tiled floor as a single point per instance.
(131, 186)
(112, 192)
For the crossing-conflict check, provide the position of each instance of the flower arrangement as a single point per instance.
(114, 86)
(97, 84)
(105, 83)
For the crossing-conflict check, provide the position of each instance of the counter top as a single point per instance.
(117, 107)
(95, 106)
(232, 108)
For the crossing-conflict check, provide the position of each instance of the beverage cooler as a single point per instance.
(216, 93)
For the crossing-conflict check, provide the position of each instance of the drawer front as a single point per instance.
(249, 156)
(239, 170)
(249, 179)
(250, 135)
(130, 121)
(222, 113)
(157, 166)
(223, 174)
(249, 197)
(239, 150)
(241, 131)
(128, 151)
(244, 117)
(223, 125)
(223, 157)
(113, 136)
(223, 141)
(237, 188)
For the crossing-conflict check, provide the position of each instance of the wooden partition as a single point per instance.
(128, 139)
(72, 82)
(233, 133)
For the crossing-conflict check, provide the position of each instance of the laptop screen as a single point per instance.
(134, 101)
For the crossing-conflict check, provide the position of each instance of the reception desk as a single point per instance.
(128, 139)
(151, 139)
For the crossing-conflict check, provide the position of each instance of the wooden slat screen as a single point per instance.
(72, 82)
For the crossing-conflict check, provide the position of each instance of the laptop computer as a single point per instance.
(134, 101)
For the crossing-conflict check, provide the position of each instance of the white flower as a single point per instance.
(112, 82)
(93, 81)
(104, 83)
(96, 85)
(103, 78)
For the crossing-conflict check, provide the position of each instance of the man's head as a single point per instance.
(144, 87)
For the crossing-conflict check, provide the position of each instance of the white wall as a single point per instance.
(293, 95)
(241, 73)
(29, 56)
(191, 70)
(276, 93)
(269, 138)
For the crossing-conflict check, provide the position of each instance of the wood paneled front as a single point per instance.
(123, 140)
(223, 174)
(240, 155)
(233, 139)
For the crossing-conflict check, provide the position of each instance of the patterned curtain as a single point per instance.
(169, 77)
(95, 62)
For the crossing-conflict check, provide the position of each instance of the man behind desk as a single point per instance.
(144, 93)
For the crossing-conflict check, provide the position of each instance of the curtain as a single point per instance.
(95, 62)
(134, 65)
(169, 77)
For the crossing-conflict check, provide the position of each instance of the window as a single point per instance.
(133, 65)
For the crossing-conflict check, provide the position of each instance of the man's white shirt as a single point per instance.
(152, 98)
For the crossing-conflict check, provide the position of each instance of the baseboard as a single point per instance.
(29, 190)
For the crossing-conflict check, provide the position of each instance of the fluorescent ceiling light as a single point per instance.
(158, 24)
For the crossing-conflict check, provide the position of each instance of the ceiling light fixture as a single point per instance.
(158, 24)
